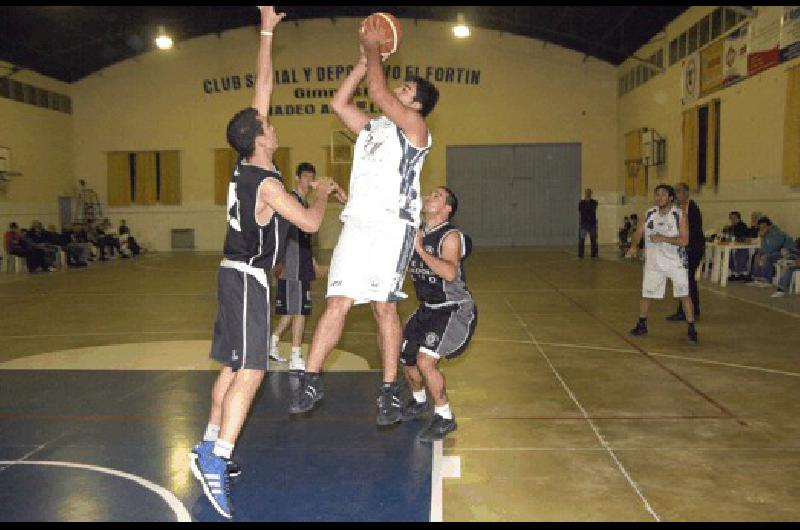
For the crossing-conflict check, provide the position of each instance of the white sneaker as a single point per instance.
(274, 353)
(297, 363)
(777, 294)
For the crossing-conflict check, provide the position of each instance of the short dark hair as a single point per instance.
(682, 185)
(427, 95)
(737, 214)
(242, 131)
(305, 166)
(451, 200)
(13, 226)
(666, 187)
(764, 220)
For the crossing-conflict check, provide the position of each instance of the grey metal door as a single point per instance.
(65, 211)
(519, 195)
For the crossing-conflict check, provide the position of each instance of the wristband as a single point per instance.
(266, 33)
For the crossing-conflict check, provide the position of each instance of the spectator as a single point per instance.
(587, 209)
(738, 231)
(106, 237)
(753, 230)
(77, 246)
(773, 240)
(37, 241)
(786, 278)
(13, 244)
(126, 239)
(623, 235)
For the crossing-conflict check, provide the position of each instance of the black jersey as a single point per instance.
(246, 241)
(430, 287)
(297, 262)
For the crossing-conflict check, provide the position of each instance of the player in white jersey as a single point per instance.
(666, 233)
(380, 219)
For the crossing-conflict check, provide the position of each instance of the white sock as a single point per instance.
(275, 340)
(223, 449)
(297, 351)
(212, 432)
(420, 397)
(444, 411)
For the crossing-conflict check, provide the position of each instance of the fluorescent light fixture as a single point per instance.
(163, 41)
(461, 30)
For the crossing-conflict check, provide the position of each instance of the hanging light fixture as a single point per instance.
(163, 41)
(461, 30)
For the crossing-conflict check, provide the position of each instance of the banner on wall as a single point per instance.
(690, 79)
(764, 39)
(711, 68)
(790, 33)
(734, 55)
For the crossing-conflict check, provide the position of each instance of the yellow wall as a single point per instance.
(41, 148)
(751, 138)
(528, 93)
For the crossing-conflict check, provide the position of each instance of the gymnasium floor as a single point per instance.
(104, 383)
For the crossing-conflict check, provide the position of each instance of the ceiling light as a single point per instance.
(461, 30)
(163, 41)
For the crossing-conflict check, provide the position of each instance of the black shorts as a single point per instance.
(293, 298)
(441, 333)
(241, 330)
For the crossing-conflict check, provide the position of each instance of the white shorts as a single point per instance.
(370, 261)
(654, 283)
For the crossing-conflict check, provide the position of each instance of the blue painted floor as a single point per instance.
(334, 464)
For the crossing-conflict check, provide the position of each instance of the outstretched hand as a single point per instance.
(371, 36)
(269, 18)
(327, 186)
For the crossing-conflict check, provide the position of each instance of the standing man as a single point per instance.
(666, 234)
(694, 250)
(257, 206)
(299, 269)
(588, 223)
(445, 320)
(380, 220)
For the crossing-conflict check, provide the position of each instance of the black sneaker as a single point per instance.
(692, 336)
(389, 408)
(639, 330)
(677, 317)
(413, 410)
(308, 394)
(438, 428)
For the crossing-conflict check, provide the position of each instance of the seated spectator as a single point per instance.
(12, 242)
(786, 278)
(773, 240)
(78, 247)
(127, 240)
(738, 231)
(38, 253)
(624, 234)
(106, 238)
(753, 230)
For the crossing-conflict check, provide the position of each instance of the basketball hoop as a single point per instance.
(342, 144)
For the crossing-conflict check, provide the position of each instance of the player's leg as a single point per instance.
(298, 328)
(443, 420)
(654, 284)
(682, 291)
(390, 332)
(283, 324)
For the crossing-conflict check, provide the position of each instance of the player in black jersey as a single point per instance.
(258, 204)
(445, 320)
(295, 274)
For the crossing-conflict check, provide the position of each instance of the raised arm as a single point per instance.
(410, 121)
(264, 81)
(353, 117)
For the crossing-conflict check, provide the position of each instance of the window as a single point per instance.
(5, 89)
(144, 178)
(704, 30)
(673, 52)
(631, 79)
(17, 91)
(716, 23)
(638, 71)
(692, 38)
(682, 46)
(660, 58)
(702, 148)
(730, 19)
(42, 98)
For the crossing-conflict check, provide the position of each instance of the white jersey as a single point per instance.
(384, 182)
(663, 255)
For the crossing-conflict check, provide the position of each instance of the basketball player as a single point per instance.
(299, 268)
(380, 220)
(445, 320)
(666, 232)
(257, 205)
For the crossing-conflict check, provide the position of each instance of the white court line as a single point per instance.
(599, 436)
(174, 503)
(436, 482)
(746, 301)
(31, 453)
(532, 449)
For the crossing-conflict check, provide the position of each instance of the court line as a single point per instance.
(167, 496)
(599, 436)
(595, 449)
(437, 480)
(752, 302)
(33, 452)
(677, 376)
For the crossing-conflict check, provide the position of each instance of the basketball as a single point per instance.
(390, 29)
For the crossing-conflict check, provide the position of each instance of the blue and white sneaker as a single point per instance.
(216, 483)
(206, 447)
